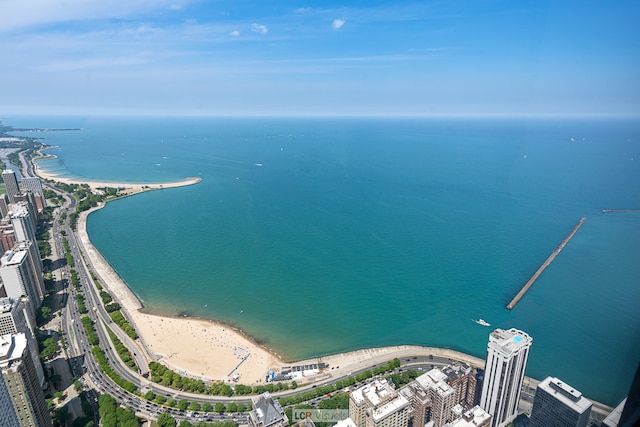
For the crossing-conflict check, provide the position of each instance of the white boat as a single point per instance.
(482, 322)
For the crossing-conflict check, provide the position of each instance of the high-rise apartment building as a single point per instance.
(21, 382)
(9, 178)
(4, 205)
(34, 185)
(13, 320)
(23, 221)
(8, 416)
(557, 404)
(507, 355)
(20, 278)
(435, 394)
(7, 235)
(378, 405)
(419, 404)
(462, 378)
(442, 395)
(35, 263)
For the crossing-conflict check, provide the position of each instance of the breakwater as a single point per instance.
(546, 264)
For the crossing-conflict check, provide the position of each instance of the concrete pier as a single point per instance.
(546, 264)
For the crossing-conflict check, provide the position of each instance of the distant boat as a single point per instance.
(258, 164)
(482, 322)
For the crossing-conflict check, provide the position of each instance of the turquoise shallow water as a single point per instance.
(359, 232)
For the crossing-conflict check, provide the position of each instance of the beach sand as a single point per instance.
(126, 188)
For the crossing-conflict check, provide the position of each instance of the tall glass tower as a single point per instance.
(507, 354)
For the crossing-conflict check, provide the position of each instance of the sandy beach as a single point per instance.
(126, 188)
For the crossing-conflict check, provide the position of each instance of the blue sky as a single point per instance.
(284, 57)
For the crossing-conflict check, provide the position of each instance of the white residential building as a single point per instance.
(507, 355)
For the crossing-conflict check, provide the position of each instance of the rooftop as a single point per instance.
(12, 347)
(509, 341)
(6, 304)
(392, 406)
(376, 393)
(566, 394)
(436, 380)
(267, 410)
(474, 417)
(12, 257)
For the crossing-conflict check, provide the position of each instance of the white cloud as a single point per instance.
(234, 33)
(260, 29)
(337, 23)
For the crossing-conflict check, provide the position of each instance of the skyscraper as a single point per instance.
(9, 178)
(13, 320)
(23, 221)
(4, 205)
(35, 186)
(8, 416)
(557, 404)
(507, 354)
(20, 276)
(21, 381)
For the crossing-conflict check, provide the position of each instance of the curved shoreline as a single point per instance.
(126, 188)
(177, 342)
(219, 339)
(160, 335)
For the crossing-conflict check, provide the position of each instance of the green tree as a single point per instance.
(126, 417)
(50, 348)
(45, 312)
(77, 385)
(184, 423)
(166, 420)
(194, 406)
(207, 407)
(219, 407)
(183, 404)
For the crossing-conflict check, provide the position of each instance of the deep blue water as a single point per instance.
(365, 232)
